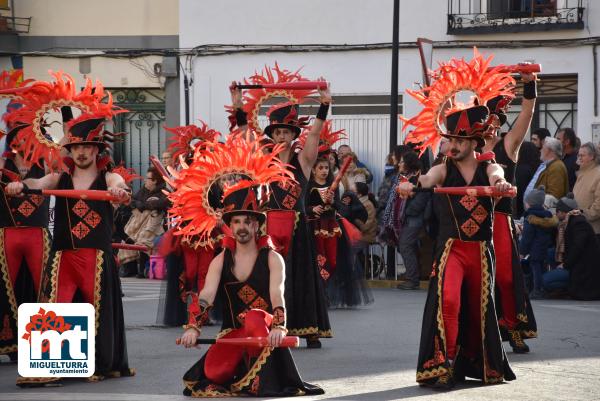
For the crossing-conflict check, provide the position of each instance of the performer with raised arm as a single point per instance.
(24, 242)
(463, 272)
(286, 216)
(81, 260)
(248, 272)
(515, 314)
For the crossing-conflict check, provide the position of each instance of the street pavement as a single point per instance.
(372, 357)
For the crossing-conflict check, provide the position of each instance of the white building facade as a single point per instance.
(348, 42)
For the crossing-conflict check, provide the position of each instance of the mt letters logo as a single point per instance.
(56, 340)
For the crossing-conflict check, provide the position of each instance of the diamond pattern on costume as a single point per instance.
(80, 208)
(479, 214)
(241, 317)
(246, 294)
(324, 274)
(36, 199)
(259, 303)
(289, 201)
(80, 230)
(470, 227)
(26, 208)
(295, 190)
(468, 202)
(255, 385)
(93, 219)
(321, 260)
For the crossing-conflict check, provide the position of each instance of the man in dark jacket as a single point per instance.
(578, 253)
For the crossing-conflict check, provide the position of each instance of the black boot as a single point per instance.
(313, 341)
(517, 343)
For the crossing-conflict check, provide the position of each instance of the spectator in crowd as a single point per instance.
(343, 150)
(353, 174)
(167, 159)
(536, 239)
(146, 223)
(577, 252)
(551, 173)
(334, 164)
(538, 136)
(369, 227)
(527, 164)
(412, 222)
(569, 142)
(444, 147)
(587, 186)
(390, 178)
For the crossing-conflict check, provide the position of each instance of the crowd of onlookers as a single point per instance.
(556, 213)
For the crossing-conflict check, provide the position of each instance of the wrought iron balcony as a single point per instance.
(500, 16)
(14, 25)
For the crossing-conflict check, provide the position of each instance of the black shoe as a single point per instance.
(517, 343)
(408, 286)
(443, 382)
(313, 342)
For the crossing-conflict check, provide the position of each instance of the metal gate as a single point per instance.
(143, 124)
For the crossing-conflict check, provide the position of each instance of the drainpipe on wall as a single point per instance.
(595, 55)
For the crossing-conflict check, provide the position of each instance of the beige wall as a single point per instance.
(100, 17)
(120, 73)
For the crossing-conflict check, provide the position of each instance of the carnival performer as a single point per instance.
(248, 273)
(81, 260)
(24, 242)
(451, 348)
(286, 217)
(333, 235)
(187, 259)
(515, 315)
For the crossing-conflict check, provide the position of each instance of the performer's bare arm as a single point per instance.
(206, 297)
(117, 186)
(237, 102)
(514, 138)
(308, 155)
(495, 174)
(276, 288)
(49, 181)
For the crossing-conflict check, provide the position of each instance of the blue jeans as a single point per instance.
(537, 272)
(557, 279)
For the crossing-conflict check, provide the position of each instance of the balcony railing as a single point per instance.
(498, 16)
(14, 25)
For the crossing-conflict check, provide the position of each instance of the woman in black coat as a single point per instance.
(527, 164)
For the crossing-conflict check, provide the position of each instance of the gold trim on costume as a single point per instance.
(53, 272)
(45, 256)
(12, 300)
(256, 367)
(430, 374)
(97, 296)
(485, 293)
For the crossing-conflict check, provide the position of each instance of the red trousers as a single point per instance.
(77, 270)
(196, 262)
(503, 244)
(463, 268)
(25, 244)
(222, 360)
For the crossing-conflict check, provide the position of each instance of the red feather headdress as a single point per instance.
(40, 97)
(10, 80)
(254, 98)
(185, 134)
(128, 174)
(193, 215)
(449, 79)
(327, 139)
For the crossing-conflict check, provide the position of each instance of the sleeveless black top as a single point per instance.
(24, 211)
(241, 296)
(465, 217)
(290, 196)
(504, 205)
(82, 223)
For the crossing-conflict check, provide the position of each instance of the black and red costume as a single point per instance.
(81, 268)
(460, 335)
(512, 302)
(247, 312)
(24, 250)
(289, 229)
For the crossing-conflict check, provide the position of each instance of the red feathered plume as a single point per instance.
(194, 217)
(254, 98)
(327, 139)
(449, 79)
(184, 135)
(39, 98)
(128, 174)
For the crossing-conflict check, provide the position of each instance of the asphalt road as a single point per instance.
(372, 357)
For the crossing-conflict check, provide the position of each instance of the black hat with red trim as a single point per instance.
(470, 123)
(244, 199)
(285, 115)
